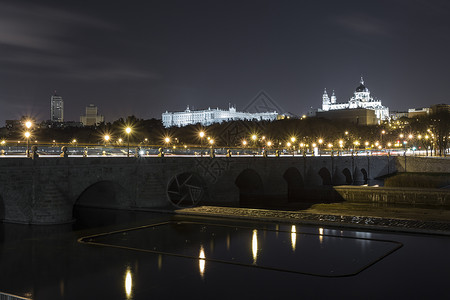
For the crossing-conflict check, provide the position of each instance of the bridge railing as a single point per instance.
(148, 151)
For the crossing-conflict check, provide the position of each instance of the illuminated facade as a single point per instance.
(56, 108)
(209, 116)
(361, 99)
(92, 117)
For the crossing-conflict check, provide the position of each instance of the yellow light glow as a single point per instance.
(167, 139)
(107, 137)
(128, 283)
(293, 237)
(410, 136)
(28, 124)
(293, 139)
(211, 141)
(27, 134)
(201, 261)
(201, 134)
(314, 145)
(366, 143)
(288, 144)
(128, 130)
(302, 145)
(321, 235)
(330, 145)
(3, 142)
(320, 141)
(269, 143)
(346, 133)
(254, 137)
(255, 245)
(244, 142)
(120, 140)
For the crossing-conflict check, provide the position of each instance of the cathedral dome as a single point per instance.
(361, 87)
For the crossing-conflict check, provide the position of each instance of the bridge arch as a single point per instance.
(348, 176)
(365, 175)
(105, 193)
(326, 176)
(250, 186)
(295, 183)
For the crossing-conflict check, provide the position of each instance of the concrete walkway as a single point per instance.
(350, 215)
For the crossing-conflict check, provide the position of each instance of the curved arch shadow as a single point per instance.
(326, 176)
(250, 186)
(104, 194)
(365, 175)
(295, 183)
(348, 176)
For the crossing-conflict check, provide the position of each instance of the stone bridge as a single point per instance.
(45, 190)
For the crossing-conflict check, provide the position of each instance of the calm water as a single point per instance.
(110, 254)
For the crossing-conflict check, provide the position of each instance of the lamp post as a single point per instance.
(320, 141)
(202, 135)
(128, 131)
(27, 135)
(28, 125)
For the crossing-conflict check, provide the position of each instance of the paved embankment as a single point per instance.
(430, 221)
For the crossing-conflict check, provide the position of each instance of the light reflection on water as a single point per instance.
(293, 237)
(255, 245)
(128, 283)
(201, 261)
(339, 256)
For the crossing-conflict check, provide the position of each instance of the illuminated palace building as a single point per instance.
(362, 107)
(208, 116)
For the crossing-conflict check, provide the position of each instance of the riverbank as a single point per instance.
(350, 215)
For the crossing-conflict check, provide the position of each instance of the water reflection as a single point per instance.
(321, 235)
(255, 245)
(293, 237)
(201, 261)
(128, 283)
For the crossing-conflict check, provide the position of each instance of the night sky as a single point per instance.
(146, 57)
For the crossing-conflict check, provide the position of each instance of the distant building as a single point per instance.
(418, 112)
(357, 116)
(396, 115)
(361, 100)
(56, 108)
(209, 116)
(436, 108)
(92, 117)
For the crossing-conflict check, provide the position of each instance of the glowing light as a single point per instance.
(321, 235)
(27, 134)
(28, 124)
(288, 144)
(302, 145)
(255, 245)
(244, 142)
(254, 137)
(293, 139)
(346, 133)
(128, 283)
(167, 140)
(314, 145)
(211, 141)
(107, 137)
(120, 140)
(330, 145)
(3, 142)
(320, 141)
(201, 134)
(410, 136)
(269, 143)
(293, 237)
(201, 261)
(128, 130)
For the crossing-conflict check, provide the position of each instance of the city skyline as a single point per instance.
(151, 57)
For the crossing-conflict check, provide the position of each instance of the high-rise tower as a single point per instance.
(56, 108)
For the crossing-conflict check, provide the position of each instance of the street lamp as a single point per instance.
(27, 135)
(128, 131)
(202, 135)
(320, 141)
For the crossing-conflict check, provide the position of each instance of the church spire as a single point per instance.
(362, 80)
